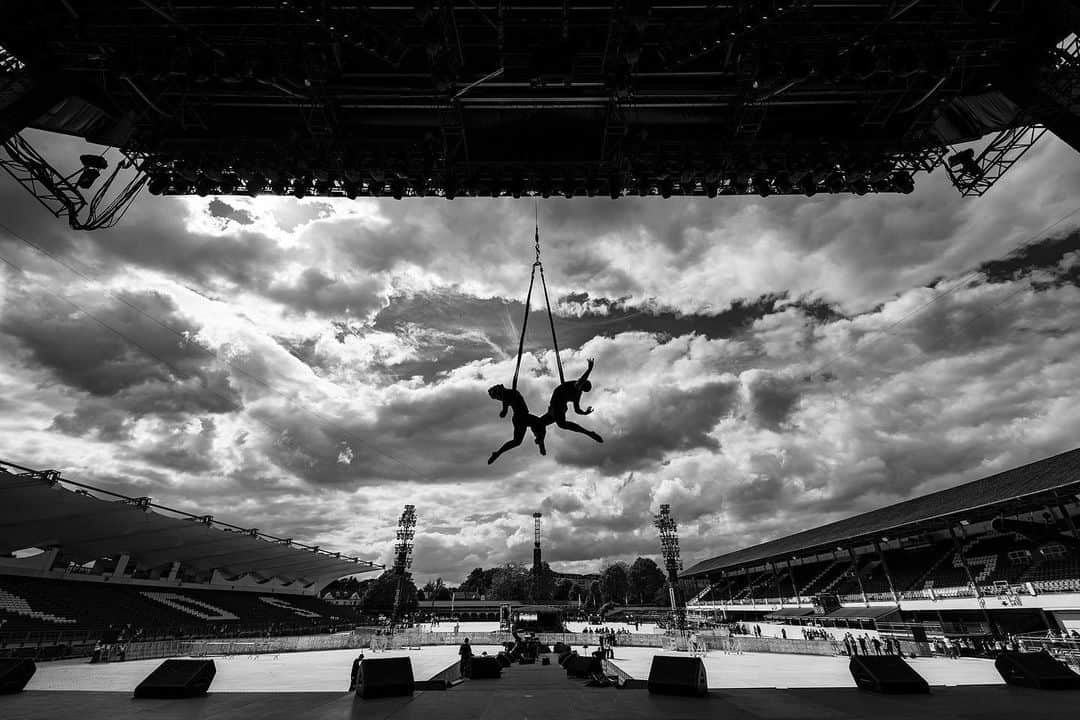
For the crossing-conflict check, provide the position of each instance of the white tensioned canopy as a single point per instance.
(37, 511)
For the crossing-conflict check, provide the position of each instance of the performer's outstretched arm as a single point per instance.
(585, 375)
(578, 410)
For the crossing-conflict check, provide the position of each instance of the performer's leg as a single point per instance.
(539, 429)
(519, 435)
(573, 426)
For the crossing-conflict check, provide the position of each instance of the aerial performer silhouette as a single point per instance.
(570, 392)
(567, 391)
(523, 420)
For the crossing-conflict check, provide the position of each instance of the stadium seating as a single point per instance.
(39, 604)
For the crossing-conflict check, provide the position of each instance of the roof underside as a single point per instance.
(1010, 491)
(336, 98)
(37, 512)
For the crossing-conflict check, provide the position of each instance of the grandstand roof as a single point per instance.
(37, 511)
(1014, 490)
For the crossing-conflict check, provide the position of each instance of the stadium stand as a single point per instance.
(976, 558)
(75, 566)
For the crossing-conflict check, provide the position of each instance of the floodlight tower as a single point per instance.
(403, 557)
(536, 556)
(669, 548)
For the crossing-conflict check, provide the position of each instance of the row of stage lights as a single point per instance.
(323, 185)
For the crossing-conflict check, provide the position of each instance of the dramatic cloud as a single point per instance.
(764, 366)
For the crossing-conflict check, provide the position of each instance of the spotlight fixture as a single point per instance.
(280, 186)
(256, 184)
(229, 183)
(783, 182)
(808, 184)
(203, 186)
(615, 186)
(92, 165)
(351, 188)
(740, 183)
(859, 186)
(761, 186)
(300, 188)
(835, 182)
(902, 182)
(158, 184)
(397, 188)
(643, 185)
(712, 188)
(965, 160)
(667, 185)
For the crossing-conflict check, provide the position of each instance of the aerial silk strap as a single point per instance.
(528, 301)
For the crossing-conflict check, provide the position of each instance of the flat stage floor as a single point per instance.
(537, 692)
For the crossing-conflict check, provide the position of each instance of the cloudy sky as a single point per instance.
(763, 365)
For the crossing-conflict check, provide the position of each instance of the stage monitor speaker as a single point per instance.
(14, 674)
(486, 667)
(671, 675)
(385, 677)
(886, 674)
(1036, 670)
(582, 667)
(178, 679)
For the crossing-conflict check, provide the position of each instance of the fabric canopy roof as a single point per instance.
(1030, 484)
(36, 511)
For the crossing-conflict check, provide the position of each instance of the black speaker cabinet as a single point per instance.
(178, 679)
(486, 667)
(14, 674)
(582, 667)
(886, 674)
(385, 677)
(1036, 670)
(670, 675)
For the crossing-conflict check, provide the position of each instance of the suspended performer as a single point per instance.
(523, 420)
(570, 392)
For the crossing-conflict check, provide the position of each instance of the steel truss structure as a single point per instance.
(403, 549)
(532, 97)
(668, 528)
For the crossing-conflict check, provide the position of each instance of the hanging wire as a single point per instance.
(528, 303)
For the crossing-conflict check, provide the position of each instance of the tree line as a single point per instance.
(641, 582)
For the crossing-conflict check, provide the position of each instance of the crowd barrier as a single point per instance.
(370, 640)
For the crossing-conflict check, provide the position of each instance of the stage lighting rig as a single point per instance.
(92, 165)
